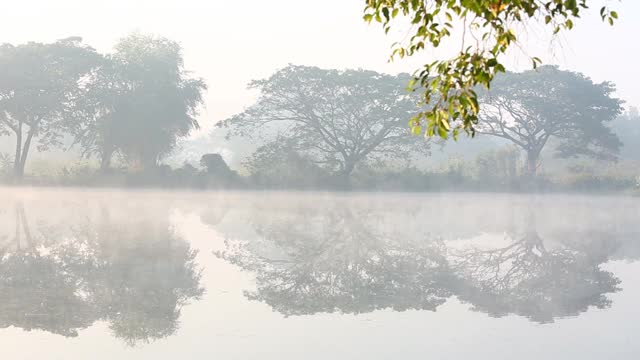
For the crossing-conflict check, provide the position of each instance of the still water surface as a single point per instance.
(156, 275)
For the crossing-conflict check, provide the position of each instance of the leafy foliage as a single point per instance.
(41, 86)
(488, 33)
(141, 101)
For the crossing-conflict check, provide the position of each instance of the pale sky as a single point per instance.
(231, 42)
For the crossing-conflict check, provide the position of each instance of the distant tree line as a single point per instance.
(313, 128)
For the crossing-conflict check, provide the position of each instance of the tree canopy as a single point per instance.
(41, 85)
(489, 29)
(532, 107)
(141, 101)
(337, 118)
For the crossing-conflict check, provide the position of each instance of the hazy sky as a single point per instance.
(231, 42)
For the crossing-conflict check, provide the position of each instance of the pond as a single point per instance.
(106, 274)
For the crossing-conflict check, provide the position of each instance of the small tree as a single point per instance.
(531, 107)
(336, 118)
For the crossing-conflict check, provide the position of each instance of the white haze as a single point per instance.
(231, 42)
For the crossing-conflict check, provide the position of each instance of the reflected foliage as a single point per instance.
(135, 275)
(527, 278)
(335, 262)
(349, 260)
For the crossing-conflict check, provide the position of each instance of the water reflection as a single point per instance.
(526, 277)
(352, 259)
(129, 260)
(334, 261)
(133, 273)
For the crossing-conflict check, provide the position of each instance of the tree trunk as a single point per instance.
(105, 160)
(21, 161)
(532, 162)
(16, 159)
(344, 176)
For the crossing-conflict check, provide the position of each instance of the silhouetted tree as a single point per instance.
(531, 107)
(337, 118)
(140, 102)
(41, 86)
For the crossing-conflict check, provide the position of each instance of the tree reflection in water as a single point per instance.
(334, 262)
(346, 260)
(134, 274)
(529, 279)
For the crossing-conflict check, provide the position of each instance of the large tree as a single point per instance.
(337, 118)
(531, 107)
(40, 88)
(488, 29)
(141, 101)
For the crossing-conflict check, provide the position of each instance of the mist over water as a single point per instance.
(351, 180)
(283, 275)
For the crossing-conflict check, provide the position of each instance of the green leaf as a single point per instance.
(445, 124)
(385, 13)
(442, 132)
(569, 24)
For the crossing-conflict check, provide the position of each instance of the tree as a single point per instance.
(487, 28)
(40, 88)
(141, 102)
(337, 118)
(531, 107)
